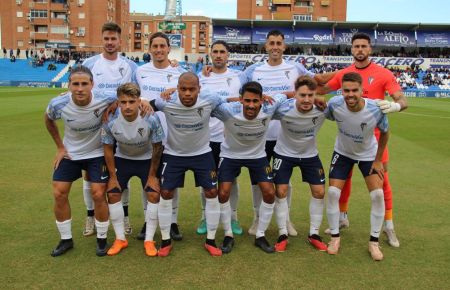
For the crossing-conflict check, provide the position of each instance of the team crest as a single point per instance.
(200, 112)
(213, 174)
(268, 170)
(370, 80)
(363, 125)
(97, 113)
(229, 81)
(263, 121)
(314, 120)
(141, 131)
(169, 76)
(286, 73)
(121, 69)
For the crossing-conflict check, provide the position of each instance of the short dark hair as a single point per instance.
(252, 87)
(306, 81)
(227, 47)
(360, 35)
(275, 32)
(352, 77)
(129, 89)
(159, 34)
(111, 26)
(80, 69)
(189, 74)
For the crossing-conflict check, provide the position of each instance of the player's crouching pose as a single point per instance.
(297, 146)
(81, 111)
(139, 149)
(356, 119)
(246, 125)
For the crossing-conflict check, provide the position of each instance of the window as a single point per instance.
(82, 44)
(259, 2)
(303, 17)
(322, 18)
(137, 26)
(38, 13)
(137, 45)
(20, 43)
(81, 15)
(145, 28)
(59, 29)
(137, 35)
(81, 31)
(19, 28)
(302, 3)
(80, 2)
(19, 14)
(258, 17)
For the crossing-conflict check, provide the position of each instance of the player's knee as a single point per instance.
(98, 196)
(268, 195)
(318, 194)
(334, 193)
(166, 194)
(377, 195)
(211, 193)
(224, 196)
(114, 197)
(60, 196)
(281, 191)
(153, 197)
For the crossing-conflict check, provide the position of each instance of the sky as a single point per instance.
(406, 11)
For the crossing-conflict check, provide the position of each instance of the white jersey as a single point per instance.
(110, 74)
(355, 138)
(276, 80)
(298, 130)
(245, 139)
(188, 127)
(153, 81)
(134, 139)
(81, 124)
(226, 85)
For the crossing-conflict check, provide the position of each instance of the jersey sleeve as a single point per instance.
(302, 71)
(160, 104)
(279, 99)
(282, 110)
(214, 99)
(331, 105)
(247, 74)
(392, 85)
(383, 123)
(56, 105)
(156, 128)
(222, 111)
(106, 134)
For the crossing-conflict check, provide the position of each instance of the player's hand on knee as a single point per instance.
(167, 93)
(153, 183)
(146, 108)
(388, 107)
(378, 168)
(113, 185)
(60, 155)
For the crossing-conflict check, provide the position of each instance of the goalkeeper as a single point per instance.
(376, 82)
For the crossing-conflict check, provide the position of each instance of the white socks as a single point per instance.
(87, 196)
(265, 215)
(225, 218)
(316, 215)
(281, 211)
(165, 217)
(102, 228)
(151, 218)
(376, 212)
(257, 198)
(212, 213)
(333, 209)
(234, 198)
(175, 199)
(116, 216)
(65, 229)
(203, 200)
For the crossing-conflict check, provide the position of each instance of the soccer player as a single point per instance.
(246, 126)
(139, 149)
(110, 70)
(81, 149)
(297, 146)
(356, 118)
(277, 76)
(187, 113)
(153, 79)
(225, 82)
(376, 82)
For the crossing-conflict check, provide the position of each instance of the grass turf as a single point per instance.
(419, 173)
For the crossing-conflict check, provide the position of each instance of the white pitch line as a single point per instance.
(424, 115)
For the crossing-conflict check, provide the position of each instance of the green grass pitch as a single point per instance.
(419, 172)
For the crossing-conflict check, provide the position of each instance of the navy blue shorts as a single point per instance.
(173, 168)
(342, 165)
(270, 146)
(311, 168)
(70, 170)
(127, 168)
(259, 169)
